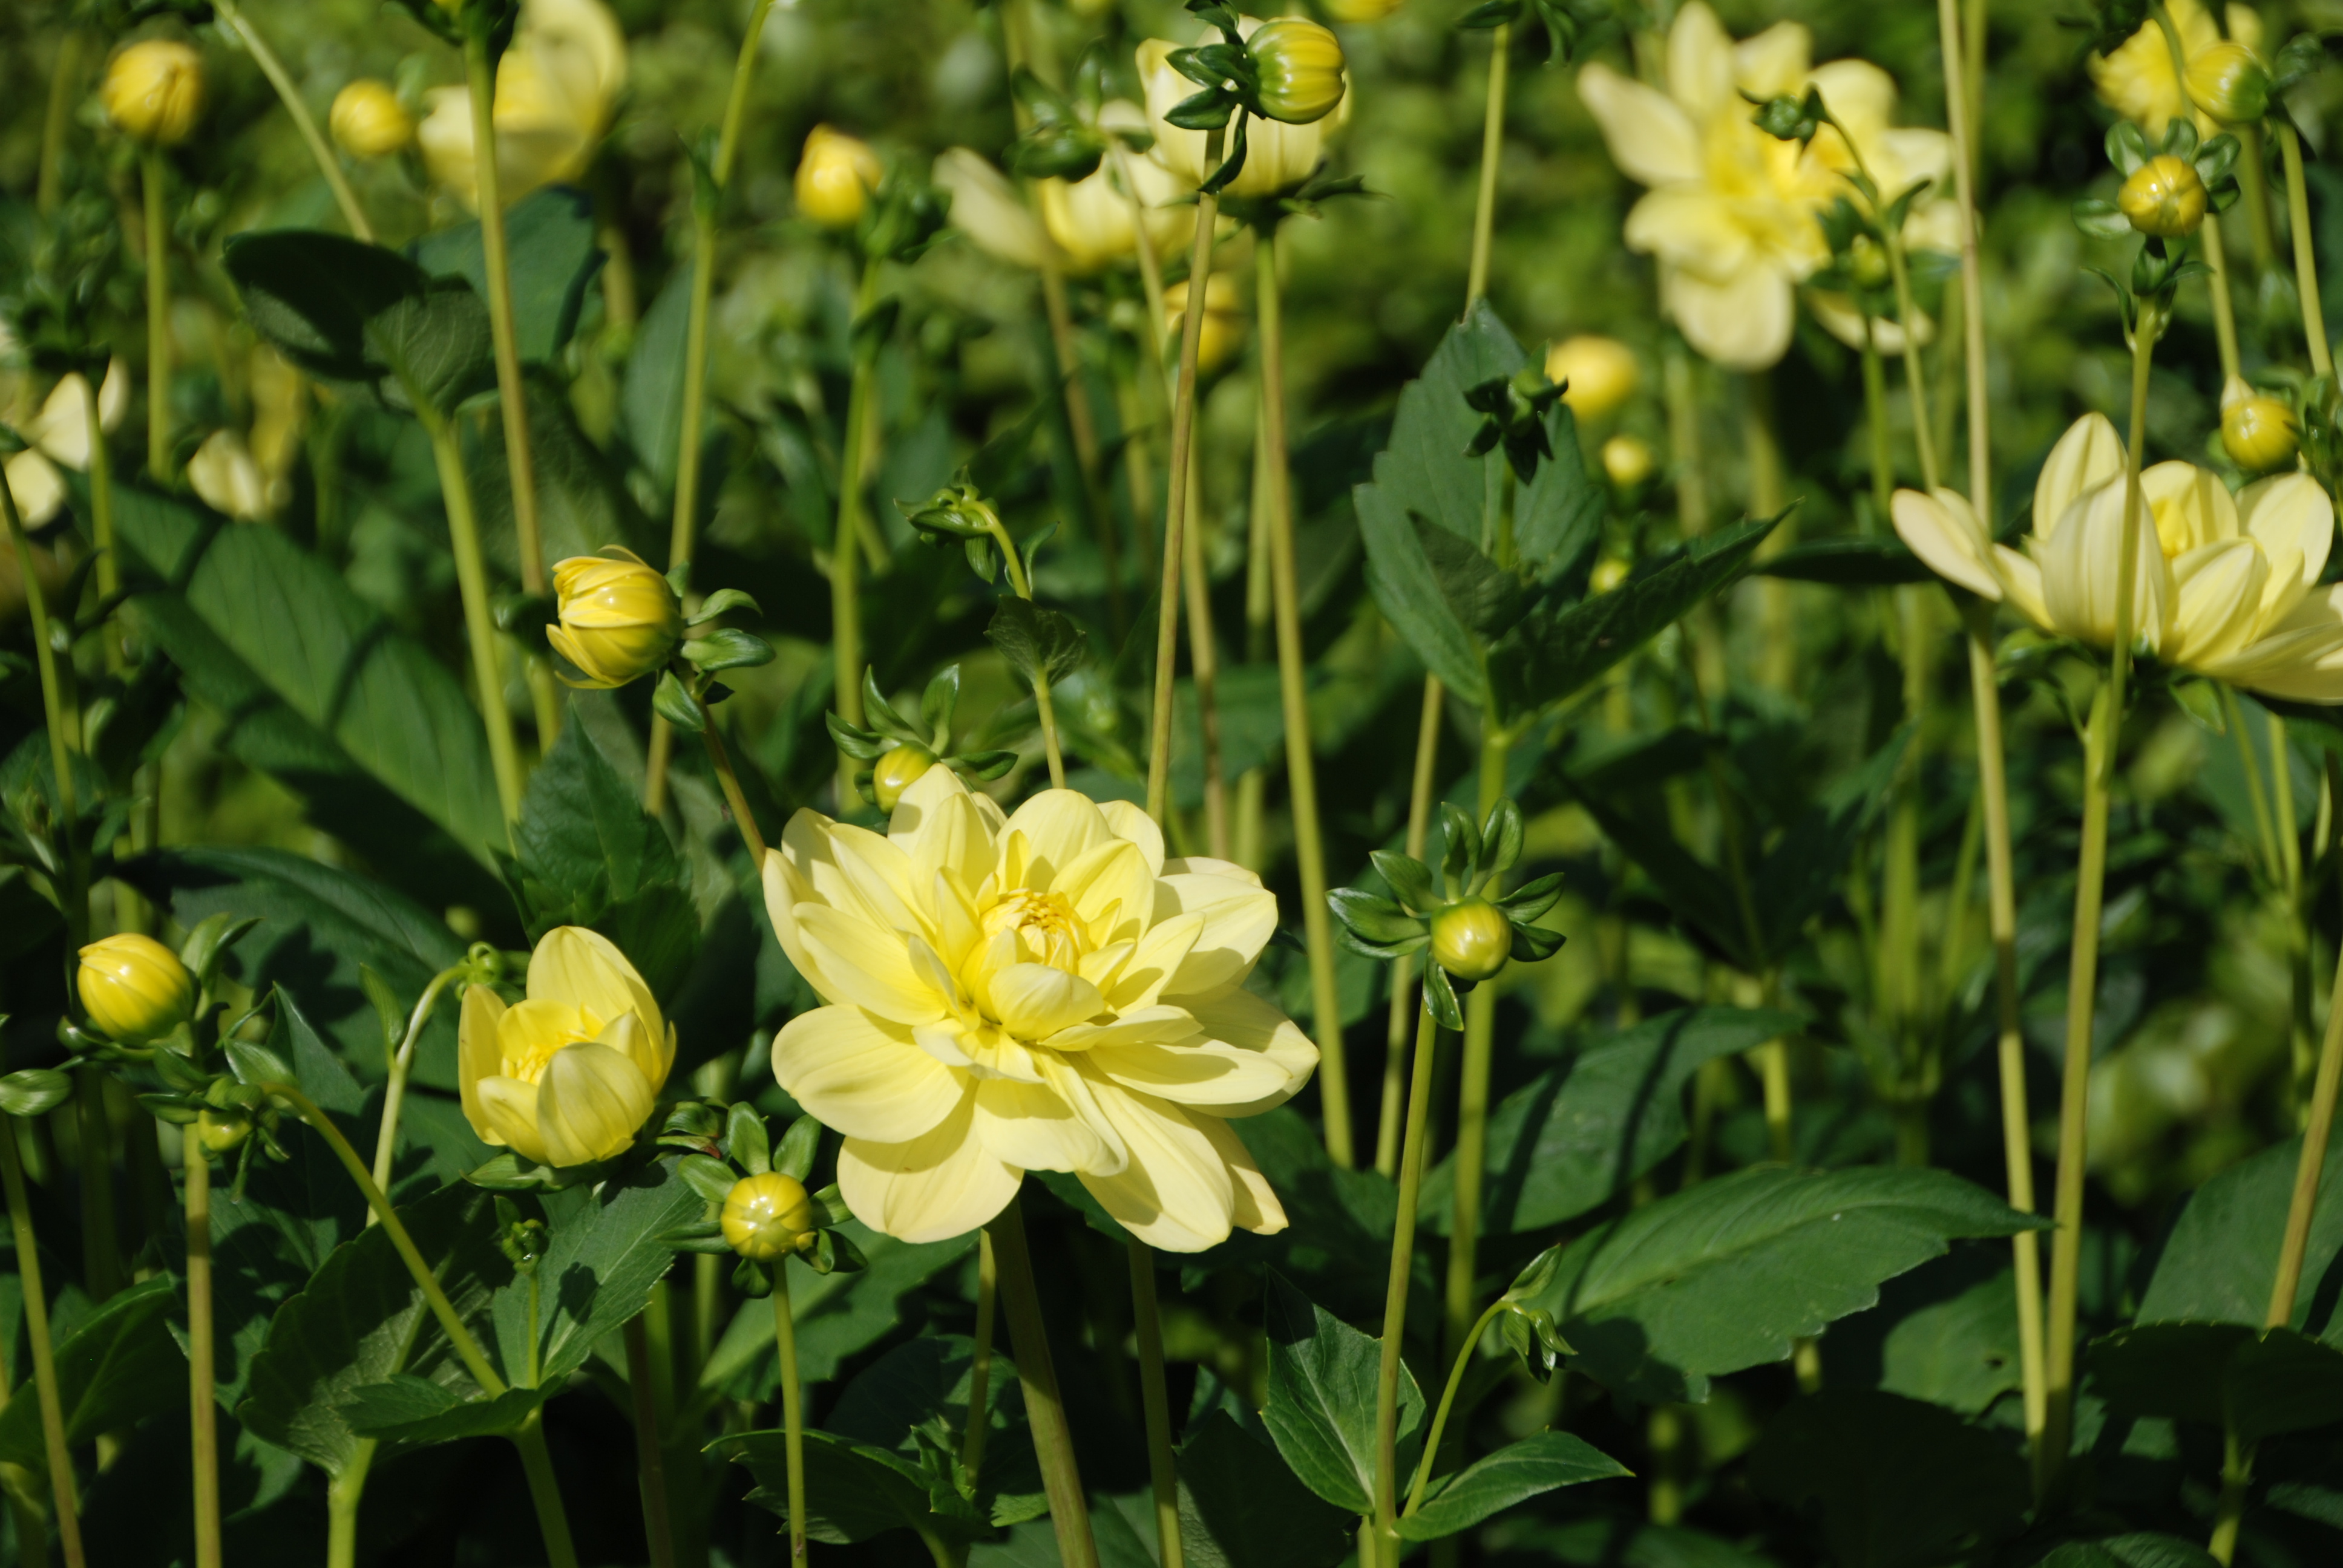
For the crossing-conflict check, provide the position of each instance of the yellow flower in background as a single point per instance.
(1036, 991)
(1089, 220)
(2223, 586)
(1224, 320)
(1278, 156)
(57, 432)
(836, 175)
(1356, 11)
(368, 121)
(556, 87)
(134, 988)
(225, 474)
(154, 91)
(620, 619)
(2136, 79)
(985, 206)
(569, 1075)
(1596, 374)
(1628, 461)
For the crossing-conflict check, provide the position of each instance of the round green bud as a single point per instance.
(767, 1217)
(222, 1131)
(2228, 82)
(1299, 64)
(2259, 433)
(2164, 198)
(897, 771)
(1472, 940)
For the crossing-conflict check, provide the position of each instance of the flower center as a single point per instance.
(1047, 931)
(545, 1032)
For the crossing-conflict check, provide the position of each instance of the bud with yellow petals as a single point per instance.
(369, 122)
(1300, 64)
(2228, 82)
(767, 1217)
(2165, 197)
(1628, 461)
(1472, 940)
(154, 91)
(897, 771)
(2260, 433)
(1596, 374)
(135, 989)
(620, 620)
(835, 179)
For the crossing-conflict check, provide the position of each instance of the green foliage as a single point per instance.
(351, 312)
(1517, 1472)
(1896, 1483)
(549, 236)
(117, 1368)
(1321, 1400)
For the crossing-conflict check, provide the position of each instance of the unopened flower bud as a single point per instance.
(135, 989)
(1596, 374)
(1608, 574)
(1628, 460)
(897, 771)
(767, 1217)
(619, 619)
(154, 91)
(2259, 432)
(1866, 263)
(2229, 82)
(222, 1131)
(368, 121)
(835, 179)
(1472, 940)
(2164, 198)
(1299, 64)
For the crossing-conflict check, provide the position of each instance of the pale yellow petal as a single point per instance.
(1249, 1022)
(1650, 137)
(1694, 226)
(2291, 514)
(1111, 879)
(864, 1075)
(868, 967)
(1256, 1208)
(1146, 1025)
(987, 208)
(940, 827)
(476, 1055)
(1774, 63)
(1155, 960)
(1034, 1001)
(1060, 826)
(2190, 505)
(1699, 63)
(787, 890)
(509, 1119)
(584, 969)
(1177, 1193)
(2087, 455)
(1125, 819)
(2219, 602)
(590, 1103)
(39, 488)
(2022, 578)
(1028, 1125)
(1201, 1072)
(932, 1187)
(1239, 917)
(1742, 323)
(1944, 532)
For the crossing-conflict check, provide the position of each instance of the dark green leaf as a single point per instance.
(1409, 588)
(1802, 871)
(1521, 1470)
(652, 400)
(1558, 515)
(1898, 1483)
(414, 1410)
(552, 256)
(853, 1491)
(728, 649)
(1040, 643)
(601, 1260)
(1321, 1398)
(836, 1314)
(2257, 1384)
(117, 1368)
(1851, 560)
(1239, 1498)
(2222, 1256)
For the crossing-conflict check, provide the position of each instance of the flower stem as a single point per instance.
(151, 173)
(2273, 866)
(472, 577)
(651, 1459)
(544, 1491)
(1464, 1359)
(65, 86)
(101, 517)
(980, 1365)
(343, 1496)
(2225, 318)
(2237, 1481)
(1054, 1443)
(1472, 1088)
(402, 1060)
(845, 543)
(1293, 677)
(1403, 1268)
(1044, 709)
(1403, 996)
(744, 819)
(203, 1401)
(1147, 1328)
(2318, 1127)
(1492, 147)
(785, 1344)
(1915, 380)
(2252, 178)
(45, 655)
(1204, 665)
(36, 1334)
(290, 95)
(2306, 265)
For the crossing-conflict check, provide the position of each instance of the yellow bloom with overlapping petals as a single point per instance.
(569, 1075)
(557, 85)
(1278, 156)
(2222, 585)
(1041, 991)
(2136, 80)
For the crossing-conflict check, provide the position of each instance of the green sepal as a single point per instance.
(508, 1172)
(1462, 854)
(706, 1237)
(937, 704)
(1439, 997)
(832, 1205)
(33, 1090)
(1531, 900)
(723, 601)
(746, 1140)
(833, 1253)
(727, 649)
(175, 1109)
(1534, 943)
(795, 1157)
(677, 706)
(752, 1279)
(861, 744)
(982, 765)
(711, 1179)
(1372, 919)
(257, 1064)
(1408, 877)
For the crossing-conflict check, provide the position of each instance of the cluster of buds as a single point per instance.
(893, 754)
(764, 1214)
(1472, 935)
(2167, 189)
(617, 620)
(842, 184)
(1065, 137)
(1290, 69)
(1514, 412)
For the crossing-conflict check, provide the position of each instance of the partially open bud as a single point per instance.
(135, 989)
(1300, 68)
(835, 179)
(767, 1217)
(2164, 198)
(1628, 460)
(2259, 432)
(897, 771)
(1472, 940)
(368, 121)
(2229, 82)
(1596, 374)
(619, 619)
(154, 91)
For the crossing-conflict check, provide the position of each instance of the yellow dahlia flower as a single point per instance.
(556, 87)
(1041, 991)
(57, 433)
(225, 474)
(2223, 585)
(2136, 80)
(568, 1076)
(1278, 156)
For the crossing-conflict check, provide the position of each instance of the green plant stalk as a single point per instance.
(2273, 865)
(1204, 666)
(290, 95)
(343, 1496)
(53, 698)
(101, 516)
(2306, 263)
(2253, 180)
(2225, 317)
(1044, 709)
(1252, 786)
(684, 522)
(2236, 1480)
(1293, 674)
(1473, 1090)
(785, 1344)
(2318, 1127)
(544, 1491)
(203, 1400)
(402, 1060)
(650, 1458)
(472, 577)
(1402, 994)
(1147, 1328)
(1053, 1443)
(1464, 1359)
(980, 1365)
(64, 75)
(1402, 1266)
(2083, 979)
(37, 1334)
(1492, 147)
(158, 316)
(845, 564)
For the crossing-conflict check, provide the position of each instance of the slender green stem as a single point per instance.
(1403, 1268)
(744, 819)
(1054, 1443)
(1875, 408)
(2237, 1481)
(1464, 1359)
(1043, 706)
(785, 1343)
(2306, 263)
(1915, 380)
(1147, 1328)
(980, 1365)
(2290, 841)
(2225, 317)
(1204, 665)
(1292, 677)
(203, 1400)
(2318, 1127)
(151, 173)
(544, 1491)
(2252, 178)
(343, 1496)
(650, 1458)
(2273, 864)
(1492, 147)
(1402, 993)
(512, 393)
(1472, 1089)
(472, 577)
(290, 95)
(101, 514)
(845, 564)
(386, 1143)
(37, 1332)
(45, 656)
(64, 87)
